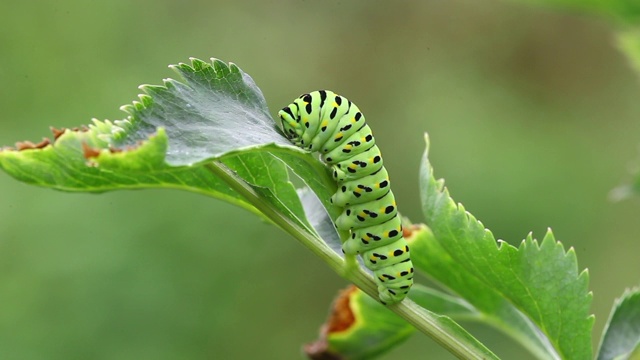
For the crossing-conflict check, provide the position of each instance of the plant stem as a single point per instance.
(425, 321)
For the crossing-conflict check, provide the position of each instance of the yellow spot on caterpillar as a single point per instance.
(348, 147)
(372, 258)
(357, 191)
(339, 135)
(353, 120)
(335, 104)
(362, 214)
(324, 123)
(385, 234)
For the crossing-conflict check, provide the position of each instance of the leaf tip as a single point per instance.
(427, 142)
(56, 132)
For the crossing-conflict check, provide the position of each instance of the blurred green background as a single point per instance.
(533, 116)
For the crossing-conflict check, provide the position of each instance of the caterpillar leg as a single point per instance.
(350, 264)
(350, 260)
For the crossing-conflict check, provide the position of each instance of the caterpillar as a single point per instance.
(330, 124)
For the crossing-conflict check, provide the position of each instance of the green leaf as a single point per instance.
(358, 327)
(264, 171)
(539, 281)
(425, 247)
(629, 44)
(442, 303)
(63, 166)
(218, 113)
(217, 110)
(621, 336)
(320, 220)
(621, 11)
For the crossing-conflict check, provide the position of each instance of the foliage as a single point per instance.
(212, 134)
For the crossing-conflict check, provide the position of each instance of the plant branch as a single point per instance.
(425, 321)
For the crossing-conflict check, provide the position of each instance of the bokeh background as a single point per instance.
(532, 113)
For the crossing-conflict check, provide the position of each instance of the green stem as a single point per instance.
(422, 319)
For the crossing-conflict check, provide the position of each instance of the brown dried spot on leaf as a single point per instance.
(407, 231)
(89, 152)
(340, 319)
(43, 143)
(28, 145)
(82, 128)
(57, 132)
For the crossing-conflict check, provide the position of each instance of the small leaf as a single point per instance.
(540, 281)
(266, 171)
(621, 336)
(358, 328)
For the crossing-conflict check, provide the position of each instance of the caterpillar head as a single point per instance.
(290, 123)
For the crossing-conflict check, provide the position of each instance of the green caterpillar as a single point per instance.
(325, 122)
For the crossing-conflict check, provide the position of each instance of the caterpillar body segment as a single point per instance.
(366, 215)
(325, 122)
(356, 192)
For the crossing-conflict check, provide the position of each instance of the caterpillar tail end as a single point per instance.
(384, 295)
(388, 299)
